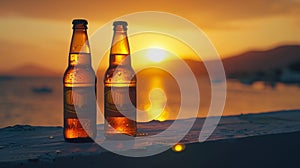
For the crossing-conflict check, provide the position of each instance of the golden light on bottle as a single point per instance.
(120, 87)
(79, 86)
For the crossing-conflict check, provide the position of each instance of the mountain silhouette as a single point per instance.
(34, 70)
(278, 64)
(256, 65)
(262, 61)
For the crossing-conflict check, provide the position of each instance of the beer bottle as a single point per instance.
(79, 83)
(120, 87)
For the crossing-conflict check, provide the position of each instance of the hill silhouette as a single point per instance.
(260, 61)
(252, 65)
(31, 70)
(280, 64)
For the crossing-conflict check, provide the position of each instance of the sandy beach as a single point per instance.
(280, 150)
(259, 140)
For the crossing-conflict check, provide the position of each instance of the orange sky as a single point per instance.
(40, 31)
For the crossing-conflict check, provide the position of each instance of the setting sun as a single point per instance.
(156, 54)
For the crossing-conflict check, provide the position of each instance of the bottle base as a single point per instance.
(79, 140)
(119, 136)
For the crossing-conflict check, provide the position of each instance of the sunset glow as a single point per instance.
(156, 55)
(160, 83)
(233, 27)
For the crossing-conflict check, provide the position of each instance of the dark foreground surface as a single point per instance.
(279, 150)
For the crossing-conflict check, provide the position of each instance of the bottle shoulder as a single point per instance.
(78, 74)
(120, 74)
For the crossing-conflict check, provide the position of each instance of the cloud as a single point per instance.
(44, 27)
(235, 9)
(201, 11)
(30, 30)
(16, 53)
(220, 14)
(62, 10)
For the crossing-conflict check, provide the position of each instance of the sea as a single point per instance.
(38, 101)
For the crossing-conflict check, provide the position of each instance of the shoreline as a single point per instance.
(277, 112)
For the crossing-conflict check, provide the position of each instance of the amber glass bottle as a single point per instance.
(120, 87)
(79, 84)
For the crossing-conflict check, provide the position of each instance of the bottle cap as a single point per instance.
(123, 23)
(80, 21)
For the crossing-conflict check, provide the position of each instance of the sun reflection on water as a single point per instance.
(157, 100)
(155, 109)
(158, 94)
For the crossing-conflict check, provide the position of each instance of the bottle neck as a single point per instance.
(80, 48)
(120, 52)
